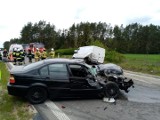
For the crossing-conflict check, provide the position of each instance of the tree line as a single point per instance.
(133, 38)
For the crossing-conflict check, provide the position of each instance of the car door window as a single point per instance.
(78, 70)
(33, 72)
(58, 71)
(44, 71)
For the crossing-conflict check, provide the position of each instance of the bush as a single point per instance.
(69, 51)
(99, 44)
(110, 55)
(113, 56)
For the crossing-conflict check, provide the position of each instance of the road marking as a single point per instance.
(142, 81)
(139, 79)
(147, 77)
(56, 111)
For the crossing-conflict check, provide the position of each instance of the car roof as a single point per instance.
(29, 67)
(65, 60)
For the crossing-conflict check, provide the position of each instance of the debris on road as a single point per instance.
(110, 100)
(105, 108)
(63, 107)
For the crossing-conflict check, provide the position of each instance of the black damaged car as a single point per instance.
(57, 78)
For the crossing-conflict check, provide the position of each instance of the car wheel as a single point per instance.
(112, 90)
(37, 95)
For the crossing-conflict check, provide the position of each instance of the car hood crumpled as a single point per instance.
(110, 66)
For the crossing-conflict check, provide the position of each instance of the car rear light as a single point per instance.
(11, 79)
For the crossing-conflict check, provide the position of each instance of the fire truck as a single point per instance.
(33, 47)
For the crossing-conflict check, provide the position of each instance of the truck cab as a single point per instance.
(90, 54)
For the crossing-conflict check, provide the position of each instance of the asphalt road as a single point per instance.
(141, 103)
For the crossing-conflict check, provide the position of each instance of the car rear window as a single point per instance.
(58, 71)
(33, 65)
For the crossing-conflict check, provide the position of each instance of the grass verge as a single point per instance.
(12, 108)
(142, 63)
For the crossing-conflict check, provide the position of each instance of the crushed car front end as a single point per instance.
(114, 73)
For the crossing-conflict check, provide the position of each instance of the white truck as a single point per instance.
(90, 54)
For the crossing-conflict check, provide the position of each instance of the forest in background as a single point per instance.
(132, 38)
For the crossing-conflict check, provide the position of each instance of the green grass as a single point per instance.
(138, 62)
(11, 108)
(142, 63)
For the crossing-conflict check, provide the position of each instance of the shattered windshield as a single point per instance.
(92, 69)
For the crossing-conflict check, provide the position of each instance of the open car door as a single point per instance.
(82, 82)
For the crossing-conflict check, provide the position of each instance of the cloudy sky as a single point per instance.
(63, 13)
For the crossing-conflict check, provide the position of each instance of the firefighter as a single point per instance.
(10, 56)
(14, 55)
(37, 55)
(30, 55)
(52, 53)
(44, 54)
(22, 55)
(18, 57)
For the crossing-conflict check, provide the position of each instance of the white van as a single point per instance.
(91, 54)
(18, 46)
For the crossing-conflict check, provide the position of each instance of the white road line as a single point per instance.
(142, 76)
(138, 79)
(146, 79)
(142, 81)
(56, 111)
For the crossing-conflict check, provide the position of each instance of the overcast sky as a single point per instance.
(63, 13)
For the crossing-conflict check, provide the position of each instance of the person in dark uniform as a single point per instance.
(18, 57)
(22, 55)
(30, 55)
(5, 53)
(14, 55)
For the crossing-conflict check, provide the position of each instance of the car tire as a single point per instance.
(37, 95)
(112, 90)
